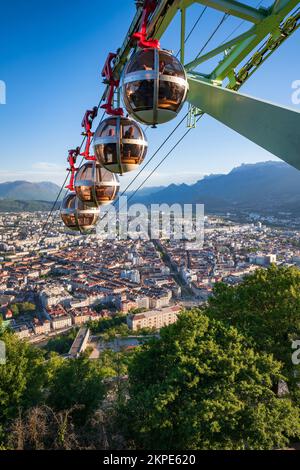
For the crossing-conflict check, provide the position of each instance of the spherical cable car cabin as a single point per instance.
(94, 185)
(120, 144)
(154, 86)
(76, 215)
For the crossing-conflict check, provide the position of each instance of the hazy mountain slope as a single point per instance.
(25, 191)
(264, 186)
(8, 205)
(268, 185)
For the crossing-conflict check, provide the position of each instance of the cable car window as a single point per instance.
(95, 185)
(140, 94)
(85, 172)
(129, 147)
(110, 153)
(132, 153)
(69, 220)
(107, 129)
(131, 132)
(170, 95)
(105, 192)
(106, 153)
(169, 65)
(144, 60)
(85, 193)
(106, 176)
(85, 219)
(69, 202)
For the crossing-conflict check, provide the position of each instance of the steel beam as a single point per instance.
(274, 128)
(279, 5)
(182, 35)
(259, 32)
(226, 45)
(234, 8)
(163, 16)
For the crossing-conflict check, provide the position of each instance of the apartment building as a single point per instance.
(40, 328)
(64, 321)
(154, 318)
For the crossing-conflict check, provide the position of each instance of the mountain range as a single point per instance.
(268, 186)
(25, 191)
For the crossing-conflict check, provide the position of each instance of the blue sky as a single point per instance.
(51, 57)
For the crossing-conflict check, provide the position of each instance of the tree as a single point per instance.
(115, 364)
(29, 383)
(27, 307)
(21, 378)
(200, 386)
(77, 382)
(14, 309)
(99, 326)
(62, 343)
(265, 308)
(22, 307)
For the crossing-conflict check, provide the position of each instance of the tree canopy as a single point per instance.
(200, 386)
(77, 382)
(266, 308)
(208, 382)
(29, 380)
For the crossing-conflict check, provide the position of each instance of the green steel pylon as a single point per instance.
(273, 127)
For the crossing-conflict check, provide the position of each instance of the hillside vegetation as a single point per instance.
(209, 382)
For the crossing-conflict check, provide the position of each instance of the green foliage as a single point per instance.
(115, 363)
(22, 378)
(99, 326)
(208, 382)
(26, 307)
(119, 330)
(14, 309)
(200, 386)
(106, 306)
(145, 331)
(21, 308)
(77, 382)
(61, 344)
(266, 308)
(28, 380)
(136, 311)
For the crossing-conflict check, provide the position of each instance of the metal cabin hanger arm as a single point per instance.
(73, 154)
(107, 73)
(141, 36)
(87, 124)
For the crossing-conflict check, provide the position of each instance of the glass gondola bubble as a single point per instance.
(94, 185)
(154, 86)
(120, 144)
(76, 215)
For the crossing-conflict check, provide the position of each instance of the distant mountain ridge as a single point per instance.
(26, 191)
(268, 186)
(260, 186)
(8, 205)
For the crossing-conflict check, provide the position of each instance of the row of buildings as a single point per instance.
(73, 279)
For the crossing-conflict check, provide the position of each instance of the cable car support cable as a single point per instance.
(273, 127)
